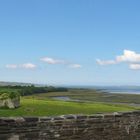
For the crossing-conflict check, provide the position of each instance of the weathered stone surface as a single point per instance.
(10, 103)
(115, 126)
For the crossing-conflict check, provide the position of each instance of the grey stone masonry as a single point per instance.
(112, 126)
(10, 103)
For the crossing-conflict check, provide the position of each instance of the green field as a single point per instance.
(94, 96)
(36, 107)
(90, 102)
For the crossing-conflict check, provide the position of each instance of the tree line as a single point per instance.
(30, 90)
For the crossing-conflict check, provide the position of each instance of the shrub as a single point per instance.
(7, 95)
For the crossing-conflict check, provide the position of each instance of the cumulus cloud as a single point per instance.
(11, 66)
(52, 60)
(134, 66)
(128, 56)
(75, 66)
(24, 66)
(28, 66)
(105, 62)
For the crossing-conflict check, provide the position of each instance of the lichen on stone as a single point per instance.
(9, 100)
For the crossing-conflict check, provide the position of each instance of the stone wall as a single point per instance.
(115, 126)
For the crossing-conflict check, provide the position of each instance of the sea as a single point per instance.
(119, 89)
(114, 89)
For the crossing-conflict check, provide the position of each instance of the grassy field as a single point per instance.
(37, 107)
(44, 104)
(94, 96)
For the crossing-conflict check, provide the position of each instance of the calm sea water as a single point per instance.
(115, 89)
(121, 89)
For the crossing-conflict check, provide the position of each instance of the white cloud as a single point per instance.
(28, 66)
(75, 66)
(105, 62)
(24, 66)
(52, 60)
(11, 66)
(128, 56)
(134, 66)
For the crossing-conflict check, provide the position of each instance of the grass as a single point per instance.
(44, 105)
(94, 96)
(37, 107)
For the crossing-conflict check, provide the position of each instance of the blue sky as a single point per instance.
(71, 42)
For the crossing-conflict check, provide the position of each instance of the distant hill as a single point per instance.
(15, 83)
